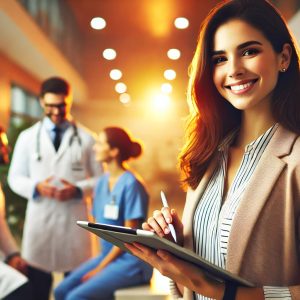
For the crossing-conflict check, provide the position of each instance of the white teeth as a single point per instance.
(236, 88)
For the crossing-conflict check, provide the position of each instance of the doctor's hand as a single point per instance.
(183, 273)
(159, 222)
(45, 188)
(66, 192)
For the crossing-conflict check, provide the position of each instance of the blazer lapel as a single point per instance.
(256, 194)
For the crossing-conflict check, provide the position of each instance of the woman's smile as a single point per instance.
(241, 87)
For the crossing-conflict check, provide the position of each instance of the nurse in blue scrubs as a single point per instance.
(119, 199)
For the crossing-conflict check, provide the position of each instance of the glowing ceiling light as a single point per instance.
(170, 74)
(166, 88)
(98, 23)
(181, 23)
(161, 102)
(120, 87)
(174, 54)
(125, 98)
(109, 54)
(115, 74)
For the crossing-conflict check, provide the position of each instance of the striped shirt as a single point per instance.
(213, 215)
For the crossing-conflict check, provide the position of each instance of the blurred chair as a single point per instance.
(158, 289)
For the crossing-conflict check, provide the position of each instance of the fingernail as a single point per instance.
(167, 230)
(168, 220)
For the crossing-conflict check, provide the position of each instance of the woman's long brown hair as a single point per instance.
(211, 116)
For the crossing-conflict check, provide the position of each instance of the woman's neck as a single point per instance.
(115, 169)
(253, 125)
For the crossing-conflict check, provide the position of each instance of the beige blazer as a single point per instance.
(264, 239)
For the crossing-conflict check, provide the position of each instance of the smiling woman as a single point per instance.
(241, 160)
(245, 71)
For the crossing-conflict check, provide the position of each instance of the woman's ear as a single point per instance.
(285, 57)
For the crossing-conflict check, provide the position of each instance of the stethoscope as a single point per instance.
(76, 154)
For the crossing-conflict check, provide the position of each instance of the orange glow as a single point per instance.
(158, 15)
(161, 102)
(166, 88)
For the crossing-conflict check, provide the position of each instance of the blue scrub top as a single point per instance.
(128, 194)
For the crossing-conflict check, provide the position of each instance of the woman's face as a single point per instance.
(245, 66)
(102, 148)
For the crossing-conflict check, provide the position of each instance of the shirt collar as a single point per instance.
(49, 125)
(228, 140)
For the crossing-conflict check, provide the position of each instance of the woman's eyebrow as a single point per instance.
(239, 47)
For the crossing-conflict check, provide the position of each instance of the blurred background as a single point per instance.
(127, 61)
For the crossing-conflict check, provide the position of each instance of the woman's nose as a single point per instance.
(236, 68)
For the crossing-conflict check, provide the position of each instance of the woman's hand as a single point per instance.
(178, 270)
(159, 222)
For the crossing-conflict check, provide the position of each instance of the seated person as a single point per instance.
(13, 284)
(119, 199)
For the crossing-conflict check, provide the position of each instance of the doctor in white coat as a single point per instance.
(53, 167)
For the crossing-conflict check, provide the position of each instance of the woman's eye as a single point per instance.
(249, 52)
(218, 60)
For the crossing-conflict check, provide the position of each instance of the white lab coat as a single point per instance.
(51, 239)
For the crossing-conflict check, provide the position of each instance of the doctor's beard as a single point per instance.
(57, 118)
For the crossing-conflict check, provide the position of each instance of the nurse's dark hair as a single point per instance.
(211, 116)
(119, 138)
(55, 85)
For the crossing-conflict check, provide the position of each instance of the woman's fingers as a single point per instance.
(167, 214)
(159, 222)
(156, 226)
(147, 227)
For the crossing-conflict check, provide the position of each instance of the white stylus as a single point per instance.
(165, 204)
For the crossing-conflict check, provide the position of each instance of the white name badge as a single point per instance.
(111, 211)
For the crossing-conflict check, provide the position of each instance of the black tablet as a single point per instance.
(118, 235)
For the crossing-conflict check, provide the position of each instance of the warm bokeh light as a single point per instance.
(161, 102)
(181, 23)
(157, 16)
(115, 74)
(120, 87)
(109, 54)
(125, 98)
(3, 138)
(174, 54)
(166, 88)
(98, 23)
(170, 74)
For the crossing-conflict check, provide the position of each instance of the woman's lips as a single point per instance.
(241, 87)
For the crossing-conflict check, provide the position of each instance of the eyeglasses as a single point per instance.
(59, 106)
